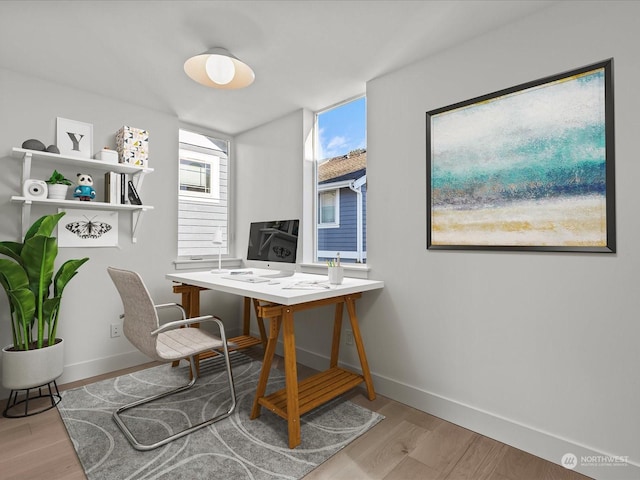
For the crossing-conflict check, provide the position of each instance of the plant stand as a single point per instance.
(40, 406)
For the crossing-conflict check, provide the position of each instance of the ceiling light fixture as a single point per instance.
(218, 68)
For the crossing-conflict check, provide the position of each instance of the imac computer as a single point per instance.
(273, 246)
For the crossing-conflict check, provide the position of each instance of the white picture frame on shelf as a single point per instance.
(74, 138)
(88, 228)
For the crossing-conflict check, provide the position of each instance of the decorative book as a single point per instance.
(134, 198)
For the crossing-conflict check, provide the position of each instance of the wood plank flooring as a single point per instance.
(408, 444)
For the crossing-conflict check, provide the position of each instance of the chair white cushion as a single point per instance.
(185, 342)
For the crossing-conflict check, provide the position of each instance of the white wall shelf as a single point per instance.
(80, 161)
(27, 156)
(78, 204)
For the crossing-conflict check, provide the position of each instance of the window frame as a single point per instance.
(312, 202)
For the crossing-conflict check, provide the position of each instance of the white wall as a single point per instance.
(28, 109)
(537, 349)
(268, 172)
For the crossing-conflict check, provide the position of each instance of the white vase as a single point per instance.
(22, 369)
(57, 191)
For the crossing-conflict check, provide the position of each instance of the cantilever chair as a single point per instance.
(165, 343)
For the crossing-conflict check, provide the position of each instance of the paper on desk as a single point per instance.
(307, 285)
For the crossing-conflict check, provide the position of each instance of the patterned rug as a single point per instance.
(234, 448)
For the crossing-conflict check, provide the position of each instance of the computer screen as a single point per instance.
(274, 242)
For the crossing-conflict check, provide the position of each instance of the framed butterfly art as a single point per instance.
(88, 228)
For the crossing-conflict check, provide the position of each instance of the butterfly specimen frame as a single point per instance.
(88, 228)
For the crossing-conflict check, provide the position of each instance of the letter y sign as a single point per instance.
(75, 139)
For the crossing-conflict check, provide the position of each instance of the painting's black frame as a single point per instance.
(609, 166)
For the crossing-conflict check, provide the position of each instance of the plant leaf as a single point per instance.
(39, 254)
(48, 223)
(12, 275)
(12, 250)
(50, 310)
(14, 279)
(24, 307)
(66, 272)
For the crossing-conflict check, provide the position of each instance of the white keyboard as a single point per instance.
(284, 274)
(246, 278)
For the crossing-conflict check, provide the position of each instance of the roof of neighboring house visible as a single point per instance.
(351, 165)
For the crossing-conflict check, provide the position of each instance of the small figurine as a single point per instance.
(84, 191)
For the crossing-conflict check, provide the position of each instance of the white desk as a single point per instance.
(278, 293)
(279, 303)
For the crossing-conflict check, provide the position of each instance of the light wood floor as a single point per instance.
(407, 444)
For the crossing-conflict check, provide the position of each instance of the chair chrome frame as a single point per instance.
(185, 322)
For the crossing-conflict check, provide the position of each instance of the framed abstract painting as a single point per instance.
(526, 168)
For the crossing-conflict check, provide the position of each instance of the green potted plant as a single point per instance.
(57, 186)
(34, 295)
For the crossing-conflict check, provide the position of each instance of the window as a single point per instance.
(340, 186)
(199, 175)
(203, 206)
(328, 211)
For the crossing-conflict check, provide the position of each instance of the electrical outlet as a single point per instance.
(348, 337)
(116, 330)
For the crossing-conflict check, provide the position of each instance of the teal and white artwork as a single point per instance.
(525, 168)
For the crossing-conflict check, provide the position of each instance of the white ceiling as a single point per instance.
(309, 54)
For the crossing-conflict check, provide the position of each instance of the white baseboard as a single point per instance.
(589, 461)
(100, 366)
(83, 370)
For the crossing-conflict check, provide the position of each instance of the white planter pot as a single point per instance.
(57, 191)
(22, 369)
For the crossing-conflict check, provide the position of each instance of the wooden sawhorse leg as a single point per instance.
(190, 301)
(259, 320)
(269, 351)
(337, 329)
(357, 339)
(291, 377)
(290, 369)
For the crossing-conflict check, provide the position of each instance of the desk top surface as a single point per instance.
(299, 288)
